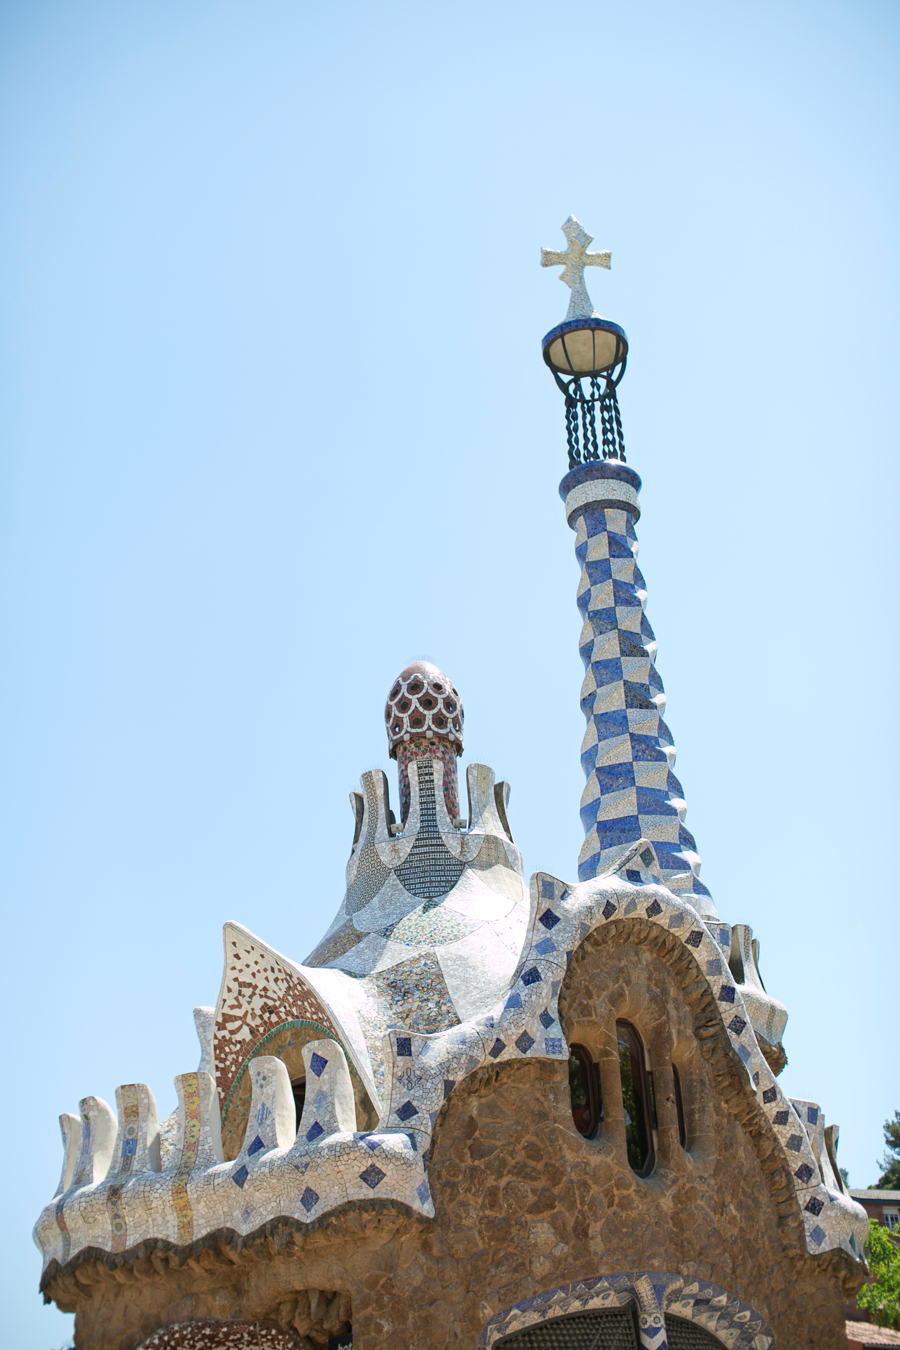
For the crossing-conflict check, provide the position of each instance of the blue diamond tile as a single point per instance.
(314, 1131)
(815, 1205)
(803, 1173)
(524, 1043)
(545, 946)
(795, 1143)
(726, 993)
(694, 939)
(552, 1045)
(653, 910)
(609, 909)
(422, 1192)
(770, 1095)
(404, 1046)
(548, 890)
(497, 1048)
(372, 1176)
(449, 1085)
(317, 1064)
(547, 1019)
(812, 1115)
(737, 1025)
(817, 1235)
(714, 967)
(407, 1111)
(255, 1146)
(240, 1176)
(309, 1199)
(549, 919)
(631, 874)
(781, 1117)
(531, 976)
(514, 1001)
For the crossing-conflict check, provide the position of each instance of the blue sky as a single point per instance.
(277, 422)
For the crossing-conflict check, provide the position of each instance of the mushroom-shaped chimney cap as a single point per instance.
(423, 702)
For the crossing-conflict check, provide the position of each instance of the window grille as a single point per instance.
(683, 1335)
(610, 1329)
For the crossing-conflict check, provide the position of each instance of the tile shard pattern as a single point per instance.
(305, 1174)
(627, 753)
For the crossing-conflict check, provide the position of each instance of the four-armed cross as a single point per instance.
(573, 262)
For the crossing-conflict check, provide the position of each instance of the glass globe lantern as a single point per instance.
(582, 348)
(587, 357)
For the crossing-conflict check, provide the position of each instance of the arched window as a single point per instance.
(679, 1108)
(584, 1089)
(636, 1099)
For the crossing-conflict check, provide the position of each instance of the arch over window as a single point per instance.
(584, 1090)
(636, 1099)
(638, 1304)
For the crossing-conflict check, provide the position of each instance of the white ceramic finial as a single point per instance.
(573, 262)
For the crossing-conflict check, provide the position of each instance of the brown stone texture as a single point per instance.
(523, 1202)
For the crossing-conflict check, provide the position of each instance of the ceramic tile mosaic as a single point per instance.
(627, 753)
(442, 961)
(303, 1170)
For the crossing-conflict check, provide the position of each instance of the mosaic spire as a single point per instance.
(627, 753)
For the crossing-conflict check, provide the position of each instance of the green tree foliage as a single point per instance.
(882, 1296)
(890, 1177)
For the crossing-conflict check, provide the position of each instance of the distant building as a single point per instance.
(882, 1206)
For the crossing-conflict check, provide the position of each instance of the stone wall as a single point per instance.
(523, 1202)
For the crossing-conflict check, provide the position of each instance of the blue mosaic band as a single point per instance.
(627, 753)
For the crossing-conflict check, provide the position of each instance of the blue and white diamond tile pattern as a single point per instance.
(654, 1295)
(304, 1169)
(627, 753)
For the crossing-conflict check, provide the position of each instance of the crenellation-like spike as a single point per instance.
(70, 1129)
(328, 1107)
(205, 1024)
(98, 1137)
(271, 1120)
(198, 1133)
(137, 1139)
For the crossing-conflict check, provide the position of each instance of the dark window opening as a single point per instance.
(298, 1088)
(635, 1099)
(584, 1089)
(679, 1107)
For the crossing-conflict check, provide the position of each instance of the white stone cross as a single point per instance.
(573, 262)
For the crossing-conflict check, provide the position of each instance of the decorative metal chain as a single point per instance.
(581, 407)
